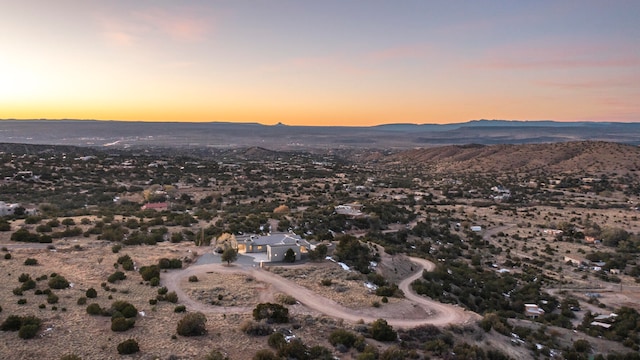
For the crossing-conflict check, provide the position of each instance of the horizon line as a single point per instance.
(353, 126)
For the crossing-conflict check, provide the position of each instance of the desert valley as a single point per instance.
(450, 252)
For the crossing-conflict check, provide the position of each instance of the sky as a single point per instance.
(329, 62)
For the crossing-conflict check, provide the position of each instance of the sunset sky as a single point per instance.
(329, 62)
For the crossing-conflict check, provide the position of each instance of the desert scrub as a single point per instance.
(91, 293)
(255, 328)
(58, 282)
(286, 299)
(129, 346)
(192, 324)
(120, 324)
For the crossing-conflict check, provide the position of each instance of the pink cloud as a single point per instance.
(146, 24)
(183, 27)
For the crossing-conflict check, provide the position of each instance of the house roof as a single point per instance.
(275, 239)
(155, 206)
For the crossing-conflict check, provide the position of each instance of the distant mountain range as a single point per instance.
(124, 134)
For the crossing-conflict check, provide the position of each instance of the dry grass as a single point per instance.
(90, 337)
(347, 287)
(224, 289)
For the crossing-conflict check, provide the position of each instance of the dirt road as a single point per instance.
(436, 313)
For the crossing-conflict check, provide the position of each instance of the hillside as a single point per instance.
(570, 157)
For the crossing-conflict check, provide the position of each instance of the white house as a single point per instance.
(275, 245)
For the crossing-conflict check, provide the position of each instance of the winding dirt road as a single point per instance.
(437, 313)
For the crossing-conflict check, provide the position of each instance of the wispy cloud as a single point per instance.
(147, 24)
(178, 26)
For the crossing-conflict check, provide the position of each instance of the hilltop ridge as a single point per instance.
(287, 137)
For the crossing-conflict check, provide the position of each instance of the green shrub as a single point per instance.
(180, 309)
(344, 337)
(94, 309)
(126, 262)
(150, 272)
(52, 298)
(58, 282)
(91, 293)
(27, 326)
(116, 276)
(22, 301)
(82, 301)
(11, 323)
(28, 331)
(294, 349)
(265, 354)
(7, 256)
(154, 281)
(171, 297)
(120, 324)
(275, 313)
(163, 290)
(28, 285)
(125, 308)
(24, 277)
(276, 340)
(31, 262)
(320, 352)
(193, 278)
(128, 265)
(17, 291)
(192, 324)
(176, 264)
(42, 306)
(129, 346)
(164, 263)
(255, 328)
(116, 248)
(382, 331)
